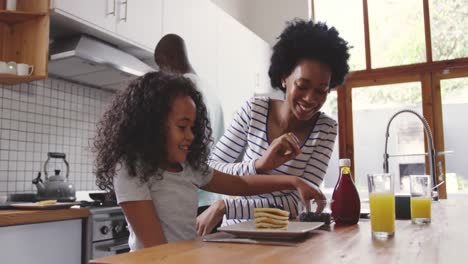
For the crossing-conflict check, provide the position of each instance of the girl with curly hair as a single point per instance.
(291, 136)
(152, 147)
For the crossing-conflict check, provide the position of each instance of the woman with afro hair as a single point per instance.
(290, 136)
(152, 150)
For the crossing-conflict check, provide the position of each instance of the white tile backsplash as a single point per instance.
(47, 116)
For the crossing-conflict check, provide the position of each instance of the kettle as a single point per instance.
(55, 187)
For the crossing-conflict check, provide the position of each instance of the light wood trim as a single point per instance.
(15, 79)
(453, 73)
(29, 5)
(429, 111)
(427, 30)
(19, 217)
(22, 43)
(33, 5)
(407, 69)
(10, 17)
(4, 33)
(25, 39)
(365, 12)
(398, 78)
(442, 241)
(438, 130)
(312, 10)
(345, 125)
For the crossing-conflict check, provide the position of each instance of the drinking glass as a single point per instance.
(420, 188)
(382, 205)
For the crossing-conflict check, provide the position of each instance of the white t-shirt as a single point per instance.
(174, 195)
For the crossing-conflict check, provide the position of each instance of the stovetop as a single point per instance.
(97, 207)
(92, 204)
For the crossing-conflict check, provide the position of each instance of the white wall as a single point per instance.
(266, 18)
(48, 116)
(228, 56)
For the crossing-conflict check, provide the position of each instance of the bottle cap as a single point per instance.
(345, 163)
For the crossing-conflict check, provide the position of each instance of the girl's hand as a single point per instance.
(281, 150)
(307, 191)
(207, 220)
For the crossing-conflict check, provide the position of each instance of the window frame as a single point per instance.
(429, 73)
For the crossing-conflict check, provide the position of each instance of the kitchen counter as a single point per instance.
(442, 241)
(19, 217)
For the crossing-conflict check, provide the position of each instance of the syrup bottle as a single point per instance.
(345, 205)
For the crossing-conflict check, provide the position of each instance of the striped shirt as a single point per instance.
(247, 139)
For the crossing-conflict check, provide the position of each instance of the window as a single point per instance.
(454, 94)
(372, 109)
(338, 13)
(396, 29)
(449, 27)
(403, 50)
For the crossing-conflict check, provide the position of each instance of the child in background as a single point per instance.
(152, 150)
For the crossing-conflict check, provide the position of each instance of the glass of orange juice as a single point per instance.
(382, 205)
(420, 188)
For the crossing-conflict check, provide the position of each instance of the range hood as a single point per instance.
(90, 61)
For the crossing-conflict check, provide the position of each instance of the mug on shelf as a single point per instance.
(3, 67)
(8, 67)
(11, 5)
(24, 69)
(11, 67)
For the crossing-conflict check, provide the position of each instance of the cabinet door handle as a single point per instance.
(113, 8)
(124, 2)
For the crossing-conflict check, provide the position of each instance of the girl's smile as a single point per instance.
(179, 135)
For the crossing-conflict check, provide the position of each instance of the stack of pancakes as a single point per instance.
(271, 218)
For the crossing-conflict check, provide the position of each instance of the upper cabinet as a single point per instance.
(24, 41)
(140, 20)
(99, 13)
(195, 22)
(137, 21)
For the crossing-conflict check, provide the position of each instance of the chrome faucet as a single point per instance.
(430, 146)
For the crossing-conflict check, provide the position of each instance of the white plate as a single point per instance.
(247, 229)
(37, 206)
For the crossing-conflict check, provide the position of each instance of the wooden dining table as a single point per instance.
(444, 240)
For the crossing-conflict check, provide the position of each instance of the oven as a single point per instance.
(107, 232)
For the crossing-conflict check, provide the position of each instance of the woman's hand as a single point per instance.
(307, 191)
(281, 150)
(207, 220)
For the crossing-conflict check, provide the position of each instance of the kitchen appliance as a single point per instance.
(106, 228)
(107, 232)
(87, 60)
(56, 187)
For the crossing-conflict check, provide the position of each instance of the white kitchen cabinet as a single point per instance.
(195, 22)
(137, 21)
(98, 13)
(222, 51)
(140, 20)
(242, 61)
(51, 242)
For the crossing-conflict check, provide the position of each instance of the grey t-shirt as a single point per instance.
(175, 198)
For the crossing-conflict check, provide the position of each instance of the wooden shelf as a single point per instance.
(24, 35)
(15, 79)
(14, 17)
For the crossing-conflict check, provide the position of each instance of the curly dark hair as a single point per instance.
(132, 131)
(308, 40)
